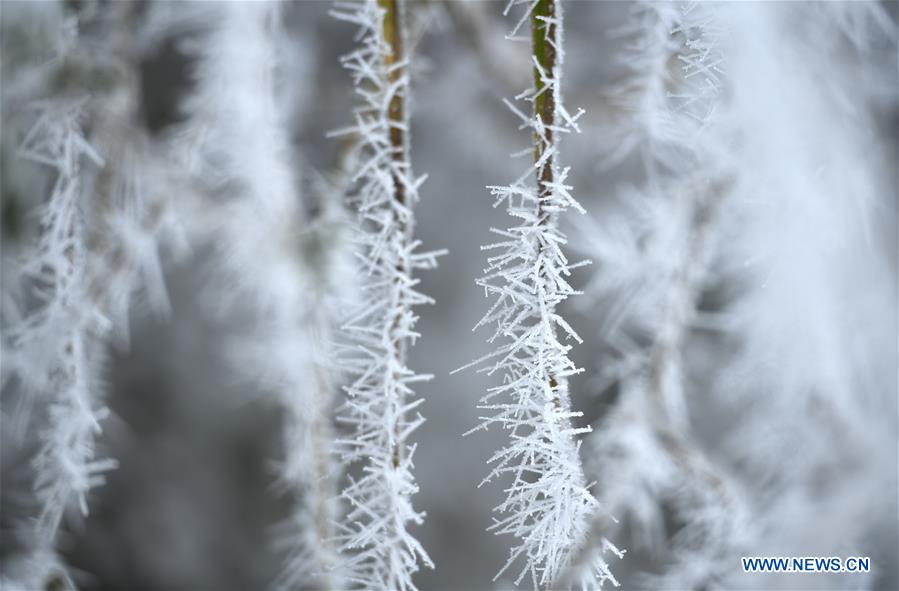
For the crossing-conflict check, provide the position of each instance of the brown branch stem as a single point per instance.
(393, 36)
(543, 35)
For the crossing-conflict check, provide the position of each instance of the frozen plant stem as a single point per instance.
(380, 406)
(393, 57)
(237, 147)
(543, 28)
(547, 504)
(322, 484)
(646, 438)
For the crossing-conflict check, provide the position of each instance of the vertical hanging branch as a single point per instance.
(645, 440)
(382, 554)
(310, 471)
(543, 36)
(240, 143)
(547, 506)
(50, 348)
(65, 467)
(85, 267)
(393, 55)
(543, 30)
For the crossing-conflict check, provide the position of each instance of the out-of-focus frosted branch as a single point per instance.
(659, 265)
(812, 375)
(270, 255)
(87, 264)
(54, 342)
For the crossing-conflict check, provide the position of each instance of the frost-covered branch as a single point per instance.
(713, 161)
(380, 410)
(310, 469)
(97, 243)
(548, 503)
(273, 257)
(659, 266)
(51, 347)
(303, 352)
(811, 263)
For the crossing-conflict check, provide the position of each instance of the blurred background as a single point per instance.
(191, 505)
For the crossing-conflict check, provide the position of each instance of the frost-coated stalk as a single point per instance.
(133, 209)
(381, 553)
(322, 484)
(97, 244)
(65, 466)
(309, 471)
(308, 536)
(48, 349)
(393, 37)
(814, 286)
(55, 350)
(701, 200)
(664, 260)
(547, 505)
(685, 181)
(237, 140)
